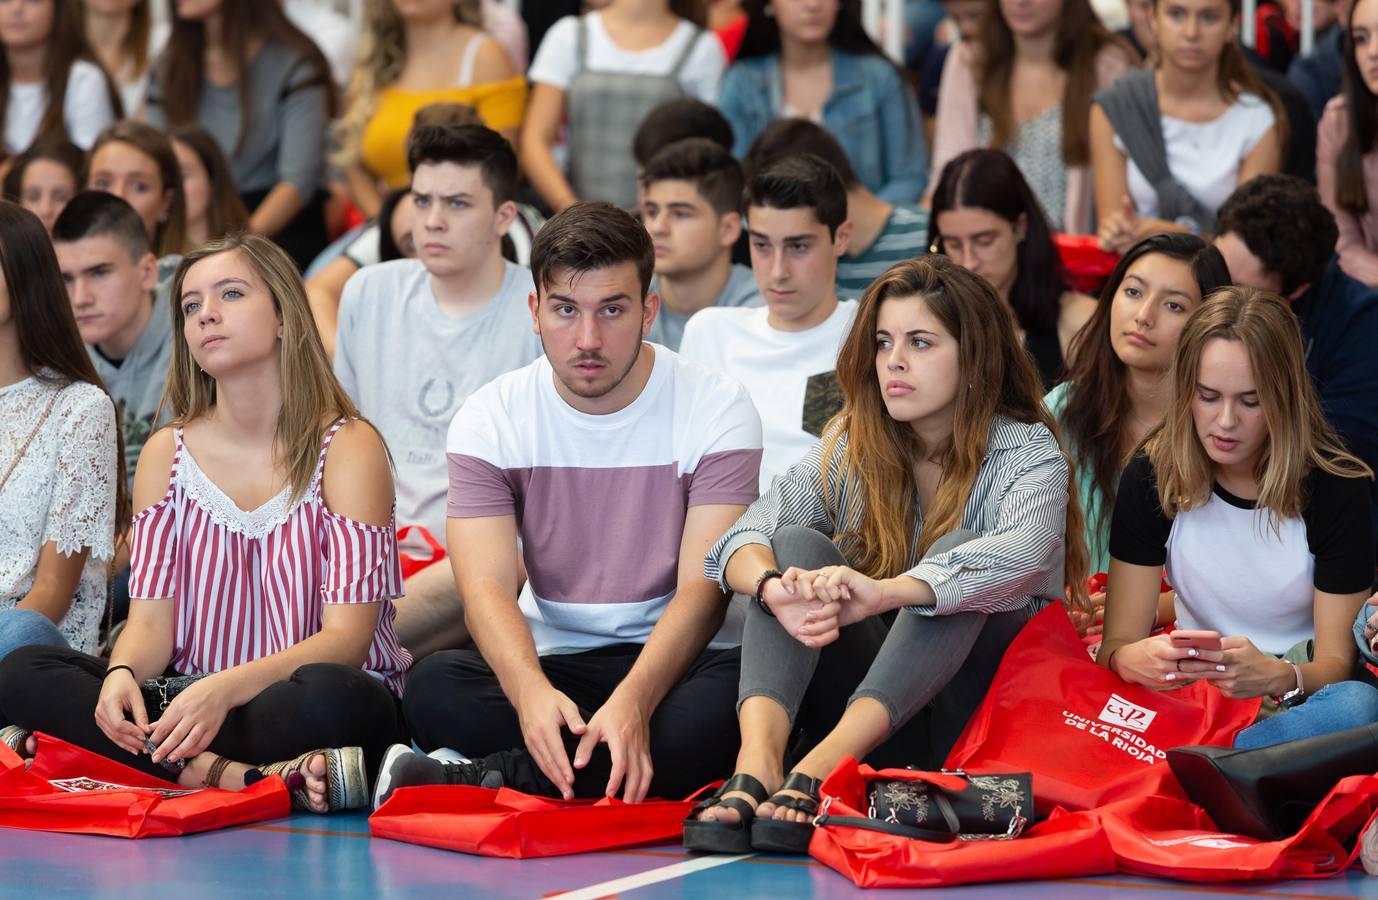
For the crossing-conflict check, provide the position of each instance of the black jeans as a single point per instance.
(54, 690)
(453, 700)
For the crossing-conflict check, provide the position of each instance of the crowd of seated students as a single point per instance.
(756, 454)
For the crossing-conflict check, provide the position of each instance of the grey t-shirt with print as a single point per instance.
(409, 366)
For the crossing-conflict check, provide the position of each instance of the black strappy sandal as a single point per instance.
(725, 837)
(779, 836)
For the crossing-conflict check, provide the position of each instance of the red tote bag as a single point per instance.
(413, 564)
(1089, 737)
(514, 825)
(1168, 837)
(1066, 845)
(75, 791)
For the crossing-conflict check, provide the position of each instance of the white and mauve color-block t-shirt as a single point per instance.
(600, 501)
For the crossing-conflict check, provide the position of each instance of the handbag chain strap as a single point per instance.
(23, 448)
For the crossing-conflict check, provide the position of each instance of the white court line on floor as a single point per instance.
(654, 876)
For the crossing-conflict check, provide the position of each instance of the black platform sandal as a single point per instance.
(725, 837)
(779, 836)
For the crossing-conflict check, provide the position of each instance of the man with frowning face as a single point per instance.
(616, 464)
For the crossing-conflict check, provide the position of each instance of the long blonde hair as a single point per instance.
(999, 379)
(312, 399)
(1299, 438)
(382, 54)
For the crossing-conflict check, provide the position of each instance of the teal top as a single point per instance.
(1097, 537)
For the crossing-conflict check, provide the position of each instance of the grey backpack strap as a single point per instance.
(684, 55)
(581, 44)
(1131, 105)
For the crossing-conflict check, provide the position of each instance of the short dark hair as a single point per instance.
(785, 136)
(467, 145)
(1283, 222)
(588, 236)
(97, 214)
(797, 181)
(675, 120)
(715, 174)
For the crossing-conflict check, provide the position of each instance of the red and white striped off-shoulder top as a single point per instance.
(250, 584)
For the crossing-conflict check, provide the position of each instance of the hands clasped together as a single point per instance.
(813, 604)
(186, 728)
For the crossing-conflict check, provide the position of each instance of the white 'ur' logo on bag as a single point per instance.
(1119, 711)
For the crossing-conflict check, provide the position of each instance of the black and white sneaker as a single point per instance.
(404, 767)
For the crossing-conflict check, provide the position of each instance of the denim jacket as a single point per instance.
(871, 113)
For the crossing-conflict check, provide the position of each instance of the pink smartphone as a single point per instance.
(1201, 640)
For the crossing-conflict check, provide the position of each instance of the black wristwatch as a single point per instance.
(761, 586)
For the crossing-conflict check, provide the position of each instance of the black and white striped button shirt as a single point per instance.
(1018, 507)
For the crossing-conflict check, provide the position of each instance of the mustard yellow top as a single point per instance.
(383, 151)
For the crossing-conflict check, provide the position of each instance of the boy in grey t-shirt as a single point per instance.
(691, 205)
(120, 307)
(417, 337)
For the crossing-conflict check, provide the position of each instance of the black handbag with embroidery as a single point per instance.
(983, 808)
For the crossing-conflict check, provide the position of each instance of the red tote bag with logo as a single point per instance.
(75, 791)
(1065, 846)
(1089, 737)
(1168, 837)
(514, 825)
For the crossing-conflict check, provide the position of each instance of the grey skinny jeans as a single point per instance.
(940, 666)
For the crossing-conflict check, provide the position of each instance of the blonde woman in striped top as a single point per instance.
(896, 561)
(264, 558)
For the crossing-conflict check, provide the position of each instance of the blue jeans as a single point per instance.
(1335, 707)
(23, 627)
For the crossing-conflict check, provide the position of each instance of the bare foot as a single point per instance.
(770, 810)
(770, 776)
(317, 783)
(30, 751)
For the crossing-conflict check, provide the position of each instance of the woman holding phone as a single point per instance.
(1261, 518)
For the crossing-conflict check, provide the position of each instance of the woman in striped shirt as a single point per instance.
(264, 559)
(916, 539)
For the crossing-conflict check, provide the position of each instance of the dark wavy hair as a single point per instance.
(49, 343)
(762, 37)
(1362, 106)
(1096, 413)
(990, 180)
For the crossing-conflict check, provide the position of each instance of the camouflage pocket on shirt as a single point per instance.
(822, 401)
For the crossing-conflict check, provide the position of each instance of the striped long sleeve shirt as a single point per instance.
(1017, 507)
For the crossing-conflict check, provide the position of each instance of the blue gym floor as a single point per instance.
(313, 856)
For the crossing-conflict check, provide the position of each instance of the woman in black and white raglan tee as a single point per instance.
(1271, 548)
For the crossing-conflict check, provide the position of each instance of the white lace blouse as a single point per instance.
(62, 490)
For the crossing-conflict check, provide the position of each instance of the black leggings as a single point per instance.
(54, 690)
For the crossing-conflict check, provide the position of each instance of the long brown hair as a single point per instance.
(1299, 438)
(170, 237)
(134, 47)
(226, 213)
(244, 23)
(312, 398)
(66, 45)
(379, 61)
(881, 453)
(1361, 106)
(1096, 416)
(1234, 75)
(1080, 39)
(49, 343)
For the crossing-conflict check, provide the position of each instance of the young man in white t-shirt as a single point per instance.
(417, 336)
(616, 465)
(786, 352)
(691, 204)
